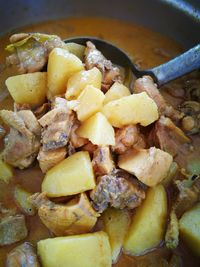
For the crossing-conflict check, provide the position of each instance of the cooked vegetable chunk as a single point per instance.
(28, 88)
(116, 91)
(89, 102)
(75, 217)
(21, 197)
(150, 166)
(71, 176)
(6, 172)
(76, 49)
(116, 224)
(87, 250)
(61, 66)
(189, 226)
(80, 80)
(98, 130)
(133, 109)
(148, 223)
(172, 233)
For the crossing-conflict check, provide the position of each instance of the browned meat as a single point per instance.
(57, 124)
(119, 190)
(102, 161)
(12, 229)
(48, 159)
(94, 58)
(167, 136)
(2, 132)
(18, 107)
(146, 84)
(40, 111)
(128, 137)
(70, 149)
(90, 148)
(22, 143)
(76, 140)
(23, 255)
(30, 51)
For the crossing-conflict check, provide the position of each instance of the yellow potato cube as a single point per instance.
(71, 176)
(116, 223)
(148, 223)
(29, 88)
(80, 80)
(6, 171)
(89, 102)
(132, 109)
(86, 250)
(116, 91)
(189, 226)
(61, 66)
(98, 130)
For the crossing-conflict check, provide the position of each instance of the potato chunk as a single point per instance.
(87, 250)
(29, 88)
(148, 223)
(189, 226)
(116, 91)
(80, 80)
(71, 176)
(132, 109)
(150, 166)
(98, 130)
(89, 102)
(61, 66)
(6, 171)
(116, 223)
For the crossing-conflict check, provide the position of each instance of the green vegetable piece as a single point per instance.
(76, 49)
(194, 166)
(6, 171)
(172, 233)
(21, 198)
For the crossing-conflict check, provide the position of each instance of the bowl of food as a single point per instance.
(98, 168)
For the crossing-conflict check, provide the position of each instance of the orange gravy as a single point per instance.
(148, 49)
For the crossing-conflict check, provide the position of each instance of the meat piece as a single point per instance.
(167, 136)
(118, 190)
(22, 143)
(94, 58)
(128, 137)
(74, 217)
(2, 132)
(12, 229)
(76, 140)
(42, 110)
(146, 84)
(23, 255)
(57, 124)
(29, 52)
(18, 107)
(48, 159)
(90, 148)
(70, 149)
(102, 161)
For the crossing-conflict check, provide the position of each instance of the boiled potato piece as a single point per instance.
(116, 223)
(6, 171)
(76, 49)
(98, 130)
(189, 226)
(78, 81)
(29, 88)
(71, 176)
(150, 166)
(148, 223)
(87, 250)
(89, 102)
(61, 66)
(116, 91)
(132, 109)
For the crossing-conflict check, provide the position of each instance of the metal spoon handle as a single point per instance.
(185, 63)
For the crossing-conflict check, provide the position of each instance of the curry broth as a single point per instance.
(148, 49)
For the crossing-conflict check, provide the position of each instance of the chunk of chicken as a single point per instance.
(12, 229)
(22, 143)
(48, 159)
(102, 161)
(76, 140)
(94, 58)
(146, 84)
(2, 132)
(30, 51)
(119, 190)
(167, 136)
(128, 137)
(23, 255)
(90, 148)
(75, 217)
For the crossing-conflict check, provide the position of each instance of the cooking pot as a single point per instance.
(178, 19)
